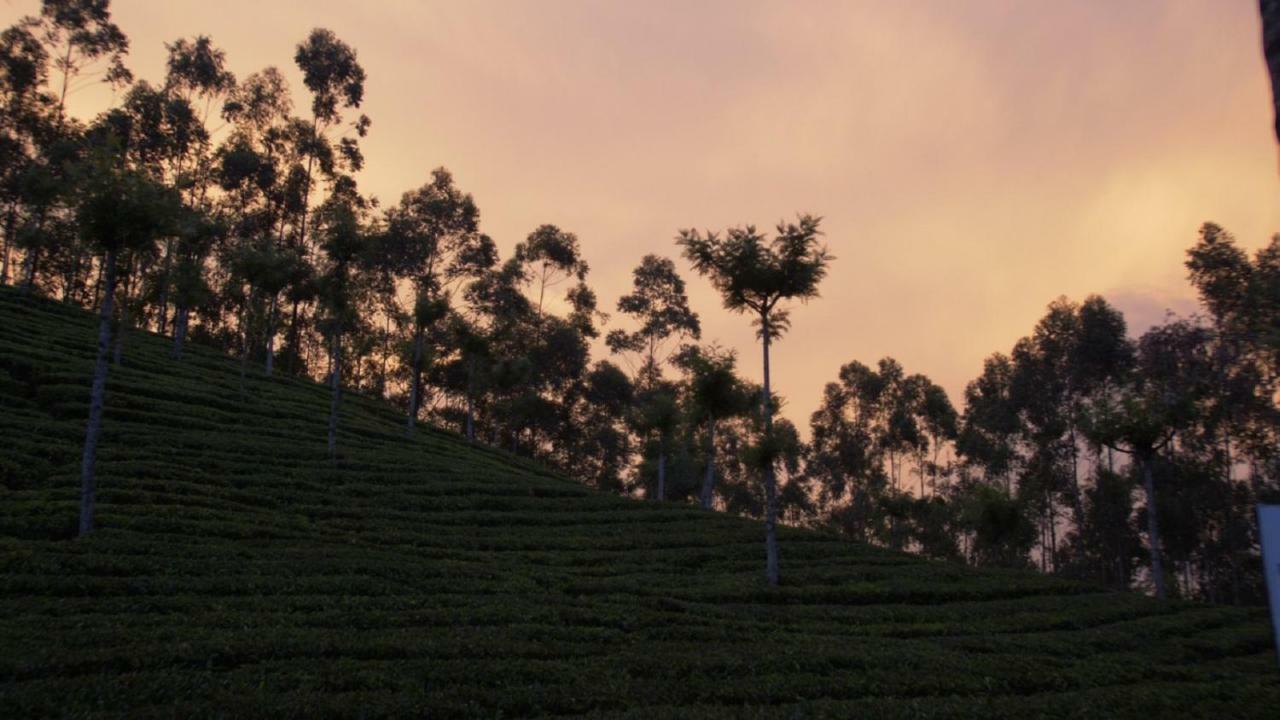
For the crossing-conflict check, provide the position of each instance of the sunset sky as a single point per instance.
(972, 160)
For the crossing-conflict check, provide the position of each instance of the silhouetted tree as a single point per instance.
(754, 276)
(120, 210)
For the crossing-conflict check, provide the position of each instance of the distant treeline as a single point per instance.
(208, 208)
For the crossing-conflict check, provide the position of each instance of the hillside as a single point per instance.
(237, 572)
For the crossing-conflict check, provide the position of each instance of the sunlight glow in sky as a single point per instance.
(972, 160)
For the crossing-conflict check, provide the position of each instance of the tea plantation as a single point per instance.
(236, 572)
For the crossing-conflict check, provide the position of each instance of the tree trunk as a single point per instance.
(471, 426)
(271, 334)
(29, 270)
(244, 350)
(124, 322)
(96, 397)
(97, 286)
(10, 222)
(164, 287)
(335, 382)
(180, 317)
(1153, 527)
(416, 372)
(662, 473)
(1077, 503)
(770, 487)
(294, 352)
(709, 480)
(1053, 535)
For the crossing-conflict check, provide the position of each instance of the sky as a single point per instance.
(972, 160)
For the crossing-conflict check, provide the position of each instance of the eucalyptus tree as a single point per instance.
(119, 210)
(250, 167)
(24, 109)
(548, 257)
(195, 73)
(430, 240)
(80, 36)
(324, 143)
(713, 393)
(344, 243)
(473, 348)
(602, 445)
(333, 74)
(659, 305)
(657, 414)
(197, 236)
(990, 423)
(754, 276)
(940, 422)
(1143, 412)
(847, 456)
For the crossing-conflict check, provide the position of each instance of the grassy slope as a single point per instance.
(236, 572)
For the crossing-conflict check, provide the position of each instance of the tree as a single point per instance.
(23, 111)
(549, 256)
(335, 78)
(82, 34)
(1143, 413)
(658, 303)
(432, 240)
(120, 210)
(754, 276)
(657, 414)
(714, 393)
(196, 240)
(343, 244)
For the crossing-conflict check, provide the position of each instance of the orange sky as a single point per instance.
(973, 160)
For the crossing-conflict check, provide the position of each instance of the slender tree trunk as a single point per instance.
(69, 280)
(709, 480)
(386, 353)
(662, 473)
(471, 427)
(1053, 535)
(1077, 502)
(1153, 527)
(164, 286)
(335, 382)
(124, 320)
(181, 316)
(97, 395)
(244, 351)
(10, 222)
(770, 480)
(97, 286)
(294, 351)
(416, 372)
(29, 265)
(271, 334)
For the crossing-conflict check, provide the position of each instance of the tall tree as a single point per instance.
(120, 210)
(754, 276)
(1143, 413)
(432, 240)
(343, 243)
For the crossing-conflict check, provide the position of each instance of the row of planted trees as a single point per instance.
(205, 209)
(1082, 451)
